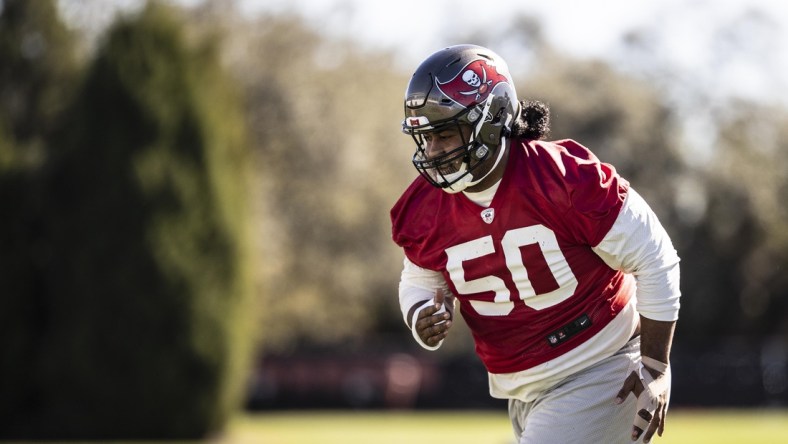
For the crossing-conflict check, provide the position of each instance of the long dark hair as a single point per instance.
(533, 122)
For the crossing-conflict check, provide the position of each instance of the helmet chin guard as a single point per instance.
(459, 85)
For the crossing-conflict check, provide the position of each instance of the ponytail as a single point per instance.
(533, 122)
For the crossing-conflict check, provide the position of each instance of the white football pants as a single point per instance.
(581, 408)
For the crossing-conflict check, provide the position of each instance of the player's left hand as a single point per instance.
(651, 386)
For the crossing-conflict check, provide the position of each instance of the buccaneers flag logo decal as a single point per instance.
(472, 84)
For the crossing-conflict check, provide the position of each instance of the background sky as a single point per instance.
(702, 53)
(755, 67)
(727, 47)
(699, 53)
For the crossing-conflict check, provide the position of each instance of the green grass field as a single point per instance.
(683, 427)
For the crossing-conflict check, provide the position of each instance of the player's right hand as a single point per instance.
(651, 387)
(433, 322)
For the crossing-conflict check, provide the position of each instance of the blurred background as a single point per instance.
(194, 198)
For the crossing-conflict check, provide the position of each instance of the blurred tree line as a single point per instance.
(202, 170)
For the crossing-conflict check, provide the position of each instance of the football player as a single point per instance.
(564, 275)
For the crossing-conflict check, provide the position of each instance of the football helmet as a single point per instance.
(460, 85)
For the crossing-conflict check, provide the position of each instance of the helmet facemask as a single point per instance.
(458, 164)
(454, 170)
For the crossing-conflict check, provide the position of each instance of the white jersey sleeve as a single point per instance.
(638, 244)
(418, 286)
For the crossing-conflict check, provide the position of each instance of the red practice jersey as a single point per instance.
(530, 286)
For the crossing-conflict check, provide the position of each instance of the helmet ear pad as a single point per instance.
(501, 114)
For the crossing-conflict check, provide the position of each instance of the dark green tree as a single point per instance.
(37, 73)
(142, 317)
(37, 65)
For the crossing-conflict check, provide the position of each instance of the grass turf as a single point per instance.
(488, 427)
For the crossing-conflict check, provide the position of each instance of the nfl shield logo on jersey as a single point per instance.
(488, 215)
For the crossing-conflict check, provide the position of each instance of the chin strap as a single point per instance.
(501, 150)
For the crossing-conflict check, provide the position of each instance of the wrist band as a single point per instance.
(413, 326)
(653, 364)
